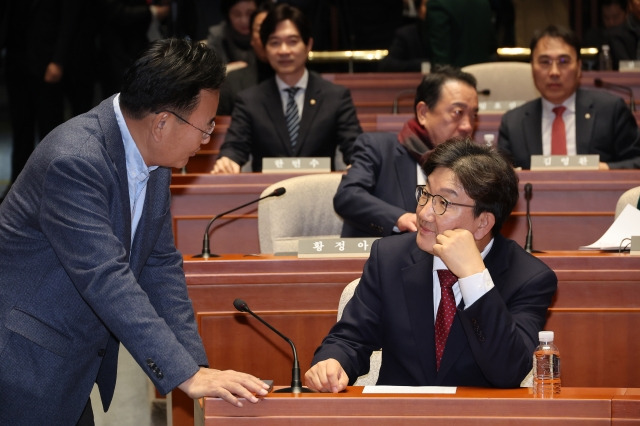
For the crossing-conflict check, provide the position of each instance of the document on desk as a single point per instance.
(449, 390)
(626, 225)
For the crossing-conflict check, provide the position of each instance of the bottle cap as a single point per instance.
(545, 336)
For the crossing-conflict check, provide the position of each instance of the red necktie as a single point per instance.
(446, 311)
(558, 134)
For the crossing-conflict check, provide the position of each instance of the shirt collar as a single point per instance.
(136, 167)
(302, 83)
(569, 103)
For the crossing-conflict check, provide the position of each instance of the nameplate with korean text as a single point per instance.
(296, 164)
(565, 162)
(628, 66)
(334, 247)
(490, 106)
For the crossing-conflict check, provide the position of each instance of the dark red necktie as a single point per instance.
(558, 133)
(446, 311)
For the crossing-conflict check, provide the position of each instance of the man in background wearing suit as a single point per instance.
(594, 122)
(325, 116)
(482, 327)
(376, 196)
(87, 251)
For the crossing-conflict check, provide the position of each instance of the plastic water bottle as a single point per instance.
(488, 139)
(546, 367)
(605, 58)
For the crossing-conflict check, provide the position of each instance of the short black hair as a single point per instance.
(555, 31)
(283, 12)
(169, 76)
(484, 173)
(430, 88)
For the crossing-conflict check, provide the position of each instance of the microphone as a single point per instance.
(617, 87)
(296, 385)
(527, 196)
(206, 251)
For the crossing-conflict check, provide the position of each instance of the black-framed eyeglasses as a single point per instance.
(205, 134)
(439, 204)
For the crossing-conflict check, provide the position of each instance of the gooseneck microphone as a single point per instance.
(296, 384)
(529, 240)
(617, 87)
(206, 250)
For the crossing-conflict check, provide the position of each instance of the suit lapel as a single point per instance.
(418, 290)
(272, 102)
(532, 128)
(312, 101)
(584, 125)
(115, 148)
(406, 171)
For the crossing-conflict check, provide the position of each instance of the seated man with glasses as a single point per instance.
(568, 120)
(482, 327)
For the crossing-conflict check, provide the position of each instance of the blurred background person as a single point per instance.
(231, 39)
(408, 49)
(243, 78)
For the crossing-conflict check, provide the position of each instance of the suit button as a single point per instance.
(101, 352)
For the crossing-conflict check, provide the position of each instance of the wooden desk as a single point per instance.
(569, 209)
(469, 406)
(597, 306)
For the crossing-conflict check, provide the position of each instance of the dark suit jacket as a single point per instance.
(470, 21)
(490, 343)
(378, 188)
(73, 285)
(407, 51)
(239, 80)
(604, 126)
(258, 125)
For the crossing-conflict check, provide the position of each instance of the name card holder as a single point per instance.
(495, 106)
(628, 66)
(296, 164)
(319, 247)
(635, 246)
(565, 162)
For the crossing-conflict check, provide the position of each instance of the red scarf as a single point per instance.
(415, 139)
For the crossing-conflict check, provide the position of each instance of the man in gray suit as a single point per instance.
(594, 122)
(259, 126)
(87, 252)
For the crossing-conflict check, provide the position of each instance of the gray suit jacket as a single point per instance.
(73, 285)
(604, 126)
(258, 125)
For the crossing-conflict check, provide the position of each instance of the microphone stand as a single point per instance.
(296, 383)
(529, 240)
(206, 250)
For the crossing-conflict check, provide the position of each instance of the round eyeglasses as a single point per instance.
(439, 204)
(206, 134)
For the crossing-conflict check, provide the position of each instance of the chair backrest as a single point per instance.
(507, 81)
(629, 197)
(371, 378)
(305, 210)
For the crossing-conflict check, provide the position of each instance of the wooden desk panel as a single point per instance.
(569, 209)
(469, 406)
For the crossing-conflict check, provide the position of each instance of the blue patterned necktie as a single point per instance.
(291, 116)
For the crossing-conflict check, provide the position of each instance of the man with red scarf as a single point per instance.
(376, 197)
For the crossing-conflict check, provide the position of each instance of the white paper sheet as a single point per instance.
(625, 226)
(449, 390)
